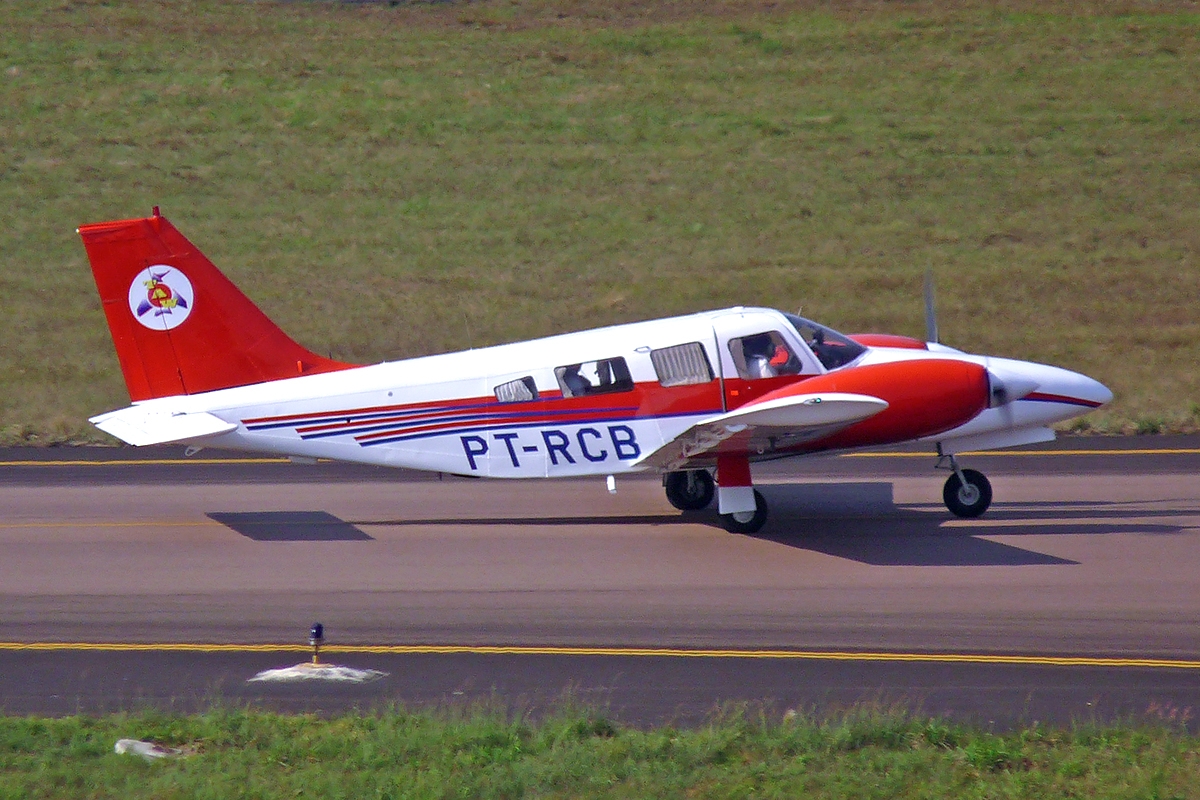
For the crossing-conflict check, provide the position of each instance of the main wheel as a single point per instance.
(747, 521)
(970, 499)
(689, 491)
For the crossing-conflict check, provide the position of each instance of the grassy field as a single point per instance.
(389, 181)
(860, 754)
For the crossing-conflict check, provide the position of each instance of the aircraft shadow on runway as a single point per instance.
(1059, 509)
(861, 522)
(856, 521)
(290, 526)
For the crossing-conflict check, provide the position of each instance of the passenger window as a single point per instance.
(763, 355)
(681, 365)
(518, 391)
(594, 377)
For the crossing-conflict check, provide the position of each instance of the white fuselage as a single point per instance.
(445, 413)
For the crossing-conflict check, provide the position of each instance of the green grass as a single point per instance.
(862, 753)
(388, 181)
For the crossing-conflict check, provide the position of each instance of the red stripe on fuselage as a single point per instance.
(1042, 397)
(465, 402)
(499, 421)
(644, 400)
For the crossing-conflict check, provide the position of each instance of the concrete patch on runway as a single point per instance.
(290, 526)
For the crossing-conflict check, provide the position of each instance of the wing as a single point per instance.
(761, 427)
(138, 425)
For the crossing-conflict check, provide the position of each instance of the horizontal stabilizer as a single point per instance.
(138, 425)
(767, 425)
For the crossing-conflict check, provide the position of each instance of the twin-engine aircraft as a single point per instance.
(697, 398)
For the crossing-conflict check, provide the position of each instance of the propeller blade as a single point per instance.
(1006, 387)
(931, 327)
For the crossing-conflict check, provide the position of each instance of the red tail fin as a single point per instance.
(179, 325)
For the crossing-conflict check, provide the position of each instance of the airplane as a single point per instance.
(697, 398)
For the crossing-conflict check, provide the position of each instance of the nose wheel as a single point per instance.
(691, 490)
(967, 492)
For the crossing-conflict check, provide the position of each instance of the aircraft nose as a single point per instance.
(1096, 392)
(1014, 380)
(1076, 387)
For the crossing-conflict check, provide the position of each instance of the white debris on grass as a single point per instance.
(147, 750)
(318, 672)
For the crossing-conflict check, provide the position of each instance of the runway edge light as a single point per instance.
(316, 637)
(315, 670)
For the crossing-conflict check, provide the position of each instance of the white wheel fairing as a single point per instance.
(161, 297)
(747, 521)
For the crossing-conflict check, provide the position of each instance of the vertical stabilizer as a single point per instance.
(179, 325)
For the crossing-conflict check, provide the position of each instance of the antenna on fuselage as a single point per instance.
(931, 326)
(467, 325)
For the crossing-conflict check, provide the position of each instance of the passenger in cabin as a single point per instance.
(576, 384)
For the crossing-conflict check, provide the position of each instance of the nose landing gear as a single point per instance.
(967, 492)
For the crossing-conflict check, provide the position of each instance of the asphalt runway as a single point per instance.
(1090, 550)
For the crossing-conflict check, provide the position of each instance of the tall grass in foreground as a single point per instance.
(394, 181)
(864, 753)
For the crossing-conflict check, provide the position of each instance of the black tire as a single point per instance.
(967, 501)
(691, 490)
(750, 523)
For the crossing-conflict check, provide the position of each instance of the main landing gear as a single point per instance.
(747, 521)
(967, 492)
(693, 490)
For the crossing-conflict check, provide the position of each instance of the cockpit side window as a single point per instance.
(830, 347)
(763, 355)
(594, 377)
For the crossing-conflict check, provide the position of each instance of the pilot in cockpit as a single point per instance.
(759, 352)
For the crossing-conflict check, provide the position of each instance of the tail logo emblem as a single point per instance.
(161, 297)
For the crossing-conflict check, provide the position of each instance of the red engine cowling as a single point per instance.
(888, 340)
(924, 397)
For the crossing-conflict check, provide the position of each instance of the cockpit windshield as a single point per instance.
(830, 347)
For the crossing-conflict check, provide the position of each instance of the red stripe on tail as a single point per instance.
(179, 325)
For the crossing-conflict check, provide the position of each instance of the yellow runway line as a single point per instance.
(651, 652)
